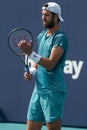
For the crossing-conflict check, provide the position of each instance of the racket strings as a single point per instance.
(16, 37)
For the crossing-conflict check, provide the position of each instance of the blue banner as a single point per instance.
(15, 92)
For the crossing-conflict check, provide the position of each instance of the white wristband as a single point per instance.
(35, 57)
(33, 71)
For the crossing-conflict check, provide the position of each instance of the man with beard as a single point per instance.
(49, 93)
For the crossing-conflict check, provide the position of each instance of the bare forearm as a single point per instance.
(46, 63)
(49, 63)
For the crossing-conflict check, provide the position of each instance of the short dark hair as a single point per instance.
(58, 17)
(45, 5)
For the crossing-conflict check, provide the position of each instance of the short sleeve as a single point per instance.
(60, 40)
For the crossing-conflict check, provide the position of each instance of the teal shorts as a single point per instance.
(46, 107)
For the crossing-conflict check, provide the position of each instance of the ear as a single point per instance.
(56, 16)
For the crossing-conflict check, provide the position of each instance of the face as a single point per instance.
(47, 19)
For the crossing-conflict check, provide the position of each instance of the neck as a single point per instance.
(52, 30)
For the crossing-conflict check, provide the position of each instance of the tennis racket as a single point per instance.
(14, 37)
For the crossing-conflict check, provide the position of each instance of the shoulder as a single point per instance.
(41, 34)
(61, 35)
(60, 39)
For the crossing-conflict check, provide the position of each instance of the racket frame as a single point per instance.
(20, 55)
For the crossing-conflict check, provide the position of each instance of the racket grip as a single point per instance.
(27, 69)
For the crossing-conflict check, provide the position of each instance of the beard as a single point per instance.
(49, 24)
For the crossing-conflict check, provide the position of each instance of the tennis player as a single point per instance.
(49, 93)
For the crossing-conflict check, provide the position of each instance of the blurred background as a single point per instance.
(15, 92)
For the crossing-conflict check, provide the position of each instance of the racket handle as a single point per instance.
(27, 69)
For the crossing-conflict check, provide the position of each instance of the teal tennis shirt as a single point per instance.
(51, 81)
